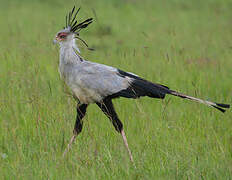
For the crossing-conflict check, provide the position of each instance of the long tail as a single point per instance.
(141, 87)
(218, 106)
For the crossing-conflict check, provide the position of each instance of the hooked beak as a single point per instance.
(55, 41)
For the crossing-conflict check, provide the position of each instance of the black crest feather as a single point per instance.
(71, 21)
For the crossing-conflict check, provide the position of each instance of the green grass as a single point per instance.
(185, 45)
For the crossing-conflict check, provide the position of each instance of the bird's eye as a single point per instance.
(62, 36)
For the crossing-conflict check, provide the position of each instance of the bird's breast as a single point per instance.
(85, 95)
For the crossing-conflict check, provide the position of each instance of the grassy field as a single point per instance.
(186, 45)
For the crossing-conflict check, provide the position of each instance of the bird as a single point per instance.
(94, 83)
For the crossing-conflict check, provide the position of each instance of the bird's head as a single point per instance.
(71, 29)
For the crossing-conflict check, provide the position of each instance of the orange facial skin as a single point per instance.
(61, 36)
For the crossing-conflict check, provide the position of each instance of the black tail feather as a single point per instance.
(218, 106)
(140, 87)
(223, 105)
(220, 109)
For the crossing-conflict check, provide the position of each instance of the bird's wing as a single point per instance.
(103, 80)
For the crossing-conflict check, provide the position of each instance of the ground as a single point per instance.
(185, 45)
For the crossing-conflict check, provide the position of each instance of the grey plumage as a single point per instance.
(90, 82)
(97, 83)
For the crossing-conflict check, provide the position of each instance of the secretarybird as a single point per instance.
(97, 83)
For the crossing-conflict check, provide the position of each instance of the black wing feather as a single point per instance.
(141, 87)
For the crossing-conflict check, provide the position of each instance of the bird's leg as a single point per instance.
(108, 108)
(81, 110)
(126, 144)
(69, 145)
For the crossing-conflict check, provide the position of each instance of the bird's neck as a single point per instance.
(68, 53)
